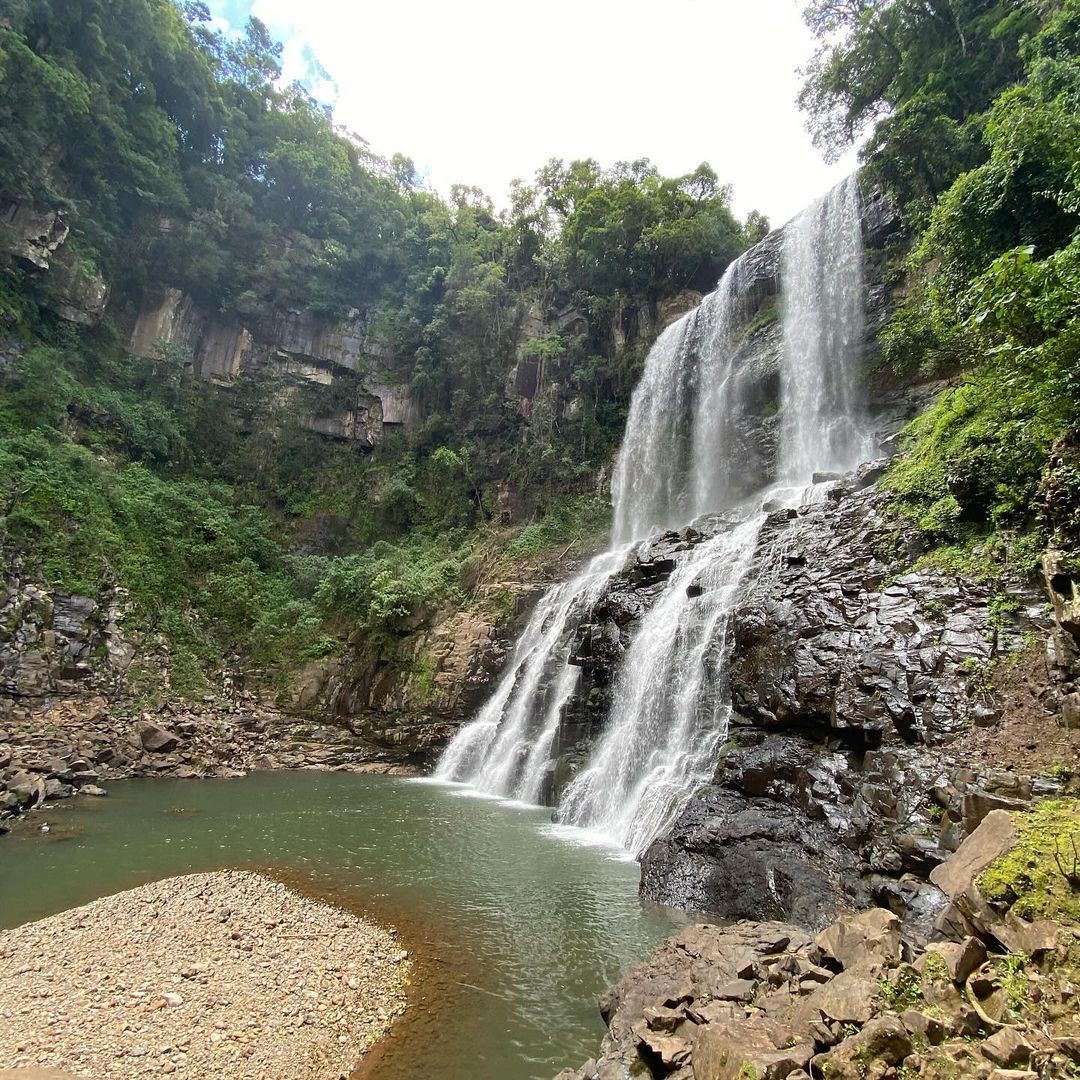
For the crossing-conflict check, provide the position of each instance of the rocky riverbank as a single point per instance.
(993, 996)
(73, 747)
(223, 974)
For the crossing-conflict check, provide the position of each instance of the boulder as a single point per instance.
(758, 1047)
(994, 837)
(156, 739)
(960, 957)
(850, 998)
(867, 939)
(1007, 1048)
(923, 1026)
(884, 1040)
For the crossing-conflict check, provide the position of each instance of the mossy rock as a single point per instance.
(1028, 878)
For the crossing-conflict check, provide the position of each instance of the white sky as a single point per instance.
(483, 91)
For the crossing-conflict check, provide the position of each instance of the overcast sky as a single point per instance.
(483, 91)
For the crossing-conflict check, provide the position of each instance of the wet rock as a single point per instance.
(828, 641)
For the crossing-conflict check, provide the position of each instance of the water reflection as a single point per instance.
(517, 931)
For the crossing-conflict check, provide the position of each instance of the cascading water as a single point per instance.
(670, 702)
(674, 461)
(671, 705)
(504, 751)
(824, 322)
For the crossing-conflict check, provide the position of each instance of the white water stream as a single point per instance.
(671, 703)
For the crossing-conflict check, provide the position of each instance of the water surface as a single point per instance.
(516, 931)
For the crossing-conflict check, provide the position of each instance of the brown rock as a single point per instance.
(736, 990)
(672, 1049)
(994, 837)
(960, 957)
(731, 1051)
(884, 1039)
(156, 739)
(927, 1027)
(663, 1019)
(1007, 1048)
(1030, 938)
(868, 938)
(848, 999)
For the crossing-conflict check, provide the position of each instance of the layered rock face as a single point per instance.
(839, 784)
(295, 347)
(56, 642)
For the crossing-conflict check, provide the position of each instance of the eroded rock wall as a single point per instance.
(56, 642)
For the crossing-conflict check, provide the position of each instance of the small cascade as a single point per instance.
(678, 462)
(504, 751)
(671, 704)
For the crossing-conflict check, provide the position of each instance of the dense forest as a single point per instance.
(180, 159)
(972, 117)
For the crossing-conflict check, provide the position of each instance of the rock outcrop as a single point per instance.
(58, 642)
(848, 683)
(34, 237)
(859, 1000)
(852, 683)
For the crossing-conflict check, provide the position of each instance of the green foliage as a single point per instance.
(976, 458)
(388, 590)
(916, 74)
(901, 989)
(1028, 877)
(580, 520)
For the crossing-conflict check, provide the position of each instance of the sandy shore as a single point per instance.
(208, 975)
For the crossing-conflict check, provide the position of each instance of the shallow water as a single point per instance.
(516, 928)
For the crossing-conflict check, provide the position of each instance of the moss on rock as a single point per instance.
(1029, 877)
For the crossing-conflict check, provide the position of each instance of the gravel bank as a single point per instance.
(208, 975)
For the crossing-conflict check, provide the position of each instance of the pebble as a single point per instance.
(88, 988)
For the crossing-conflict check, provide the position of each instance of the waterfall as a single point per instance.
(824, 307)
(673, 464)
(504, 751)
(670, 701)
(671, 705)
